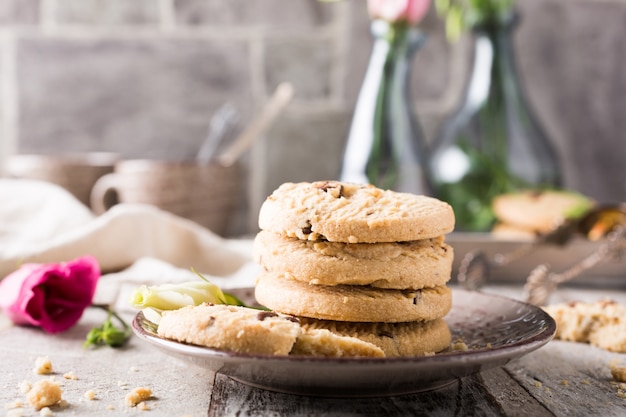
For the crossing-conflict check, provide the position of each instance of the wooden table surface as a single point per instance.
(560, 379)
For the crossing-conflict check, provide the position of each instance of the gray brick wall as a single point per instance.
(143, 77)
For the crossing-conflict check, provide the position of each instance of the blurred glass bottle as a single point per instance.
(385, 145)
(493, 143)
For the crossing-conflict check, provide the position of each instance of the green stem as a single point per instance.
(108, 333)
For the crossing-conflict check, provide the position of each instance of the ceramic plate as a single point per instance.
(496, 330)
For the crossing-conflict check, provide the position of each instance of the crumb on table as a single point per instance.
(618, 373)
(137, 396)
(12, 405)
(25, 386)
(90, 395)
(43, 366)
(44, 393)
(70, 375)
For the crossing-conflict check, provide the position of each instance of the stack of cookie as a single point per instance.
(358, 261)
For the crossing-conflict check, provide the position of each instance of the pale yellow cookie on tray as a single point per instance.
(539, 211)
(513, 233)
(415, 338)
(231, 328)
(351, 213)
(398, 265)
(355, 303)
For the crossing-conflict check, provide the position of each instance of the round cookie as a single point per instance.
(397, 265)
(394, 339)
(231, 328)
(351, 213)
(351, 302)
(539, 211)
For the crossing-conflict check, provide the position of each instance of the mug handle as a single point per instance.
(104, 193)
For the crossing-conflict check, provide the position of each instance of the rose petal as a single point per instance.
(410, 11)
(416, 10)
(11, 285)
(16, 293)
(51, 296)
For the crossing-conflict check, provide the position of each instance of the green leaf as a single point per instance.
(233, 300)
(108, 334)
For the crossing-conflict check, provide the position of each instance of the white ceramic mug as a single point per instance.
(204, 193)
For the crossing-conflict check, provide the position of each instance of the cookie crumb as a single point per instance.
(25, 386)
(45, 412)
(564, 382)
(618, 373)
(137, 396)
(70, 375)
(143, 406)
(90, 395)
(43, 366)
(459, 345)
(13, 405)
(44, 393)
(538, 384)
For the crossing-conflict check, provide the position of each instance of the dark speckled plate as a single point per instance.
(496, 330)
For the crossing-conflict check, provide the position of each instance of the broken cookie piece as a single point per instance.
(231, 328)
(600, 323)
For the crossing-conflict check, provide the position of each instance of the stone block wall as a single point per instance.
(143, 77)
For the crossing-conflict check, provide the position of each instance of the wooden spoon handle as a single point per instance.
(279, 100)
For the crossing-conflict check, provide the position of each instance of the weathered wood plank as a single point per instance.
(467, 397)
(513, 399)
(571, 379)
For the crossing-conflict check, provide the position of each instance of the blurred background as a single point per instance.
(143, 78)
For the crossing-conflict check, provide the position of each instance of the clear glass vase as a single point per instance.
(493, 143)
(385, 144)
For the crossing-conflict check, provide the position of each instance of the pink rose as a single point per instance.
(410, 11)
(50, 296)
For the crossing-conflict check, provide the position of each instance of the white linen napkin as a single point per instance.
(40, 222)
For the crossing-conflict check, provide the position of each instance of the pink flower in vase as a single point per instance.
(394, 11)
(50, 296)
